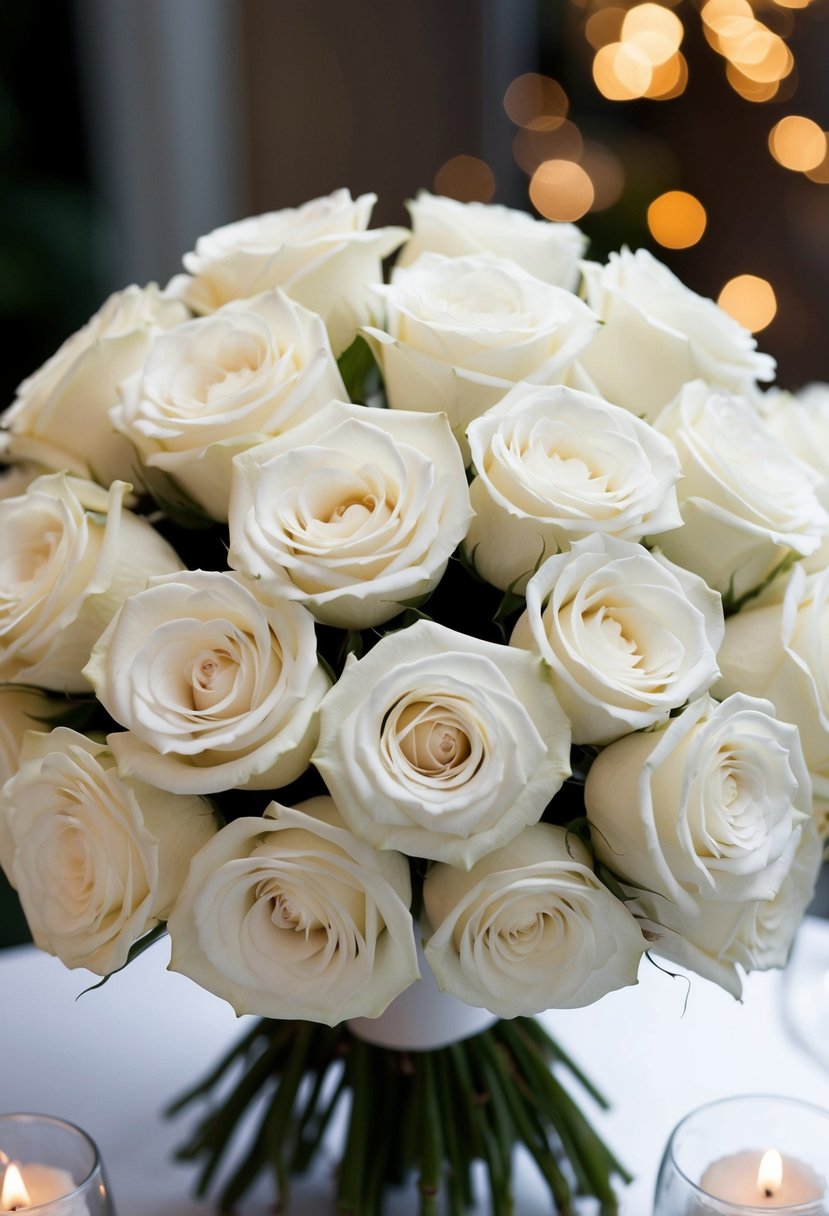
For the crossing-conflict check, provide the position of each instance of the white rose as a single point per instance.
(781, 652)
(96, 860)
(60, 418)
(353, 513)
(321, 255)
(290, 916)
(711, 807)
(554, 465)
(747, 504)
(626, 635)
(222, 384)
(70, 554)
(442, 745)
(217, 684)
(754, 936)
(21, 710)
(548, 250)
(462, 331)
(800, 424)
(529, 928)
(658, 335)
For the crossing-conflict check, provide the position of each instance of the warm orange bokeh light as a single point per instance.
(749, 300)
(465, 178)
(530, 148)
(607, 173)
(603, 26)
(561, 190)
(820, 173)
(797, 143)
(655, 30)
(751, 90)
(676, 219)
(670, 79)
(536, 101)
(622, 71)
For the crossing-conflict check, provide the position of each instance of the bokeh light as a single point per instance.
(603, 26)
(749, 300)
(668, 79)
(677, 219)
(465, 178)
(797, 143)
(561, 190)
(607, 173)
(535, 101)
(531, 148)
(622, 71)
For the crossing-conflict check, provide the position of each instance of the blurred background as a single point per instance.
(694, 127)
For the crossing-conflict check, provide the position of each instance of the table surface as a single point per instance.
(111, 1060)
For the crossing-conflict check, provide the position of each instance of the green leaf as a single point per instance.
(360, 373)
(136, 949)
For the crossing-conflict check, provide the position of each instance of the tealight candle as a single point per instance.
(27, 1185)
(747, 1155)
(49, 1165)
(759, 1179)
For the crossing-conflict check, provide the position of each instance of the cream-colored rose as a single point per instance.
(781, 652)
(60, 418)
(553, 466)
(442, 745)
(70, 554)
(217, 683)
(96, 860)
(322, 254)
(658, 335)
(21, 710)
(529, 928)
(548, 250)
(711, 807)
(626, 636)
(353, 513)
(222, 384)
(460, 332)
(291, 916)
(722, 937)
(800, 424)
(747, 504)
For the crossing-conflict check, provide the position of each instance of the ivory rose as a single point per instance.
(800, 424)
(553, 466)
(442, 745)
(217, 683)
(781, 652)
(626, 636)
(460, 332)
(710, 807)
(21, 710)
(60, 417)
(550, 251)
(529, 928)
(724, 938)
(322, 254)
(747, 505)
(291, 916)
(221, 384)
(658, 335)
(70, 554)
(96, 860)
(353, 513)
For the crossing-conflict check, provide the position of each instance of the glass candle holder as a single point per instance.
(49, 1167)
(742, 1156)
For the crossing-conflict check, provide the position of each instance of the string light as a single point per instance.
(749, 300)
(677, 219)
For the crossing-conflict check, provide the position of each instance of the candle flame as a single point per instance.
(770, 1173)
(13, 1194)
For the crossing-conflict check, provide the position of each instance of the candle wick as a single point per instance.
(769, 1193)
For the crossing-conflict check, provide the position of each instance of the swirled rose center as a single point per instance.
(432, 740)
(212, 678)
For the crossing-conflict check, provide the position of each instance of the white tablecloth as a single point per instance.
(111, 1060)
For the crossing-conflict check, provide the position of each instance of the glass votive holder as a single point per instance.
(746, 1155)
(49, 1167)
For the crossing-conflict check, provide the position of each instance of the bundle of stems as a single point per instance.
(411, 1115)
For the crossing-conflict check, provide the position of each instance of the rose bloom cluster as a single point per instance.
(484, 607)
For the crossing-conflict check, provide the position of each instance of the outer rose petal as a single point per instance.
(235, 930)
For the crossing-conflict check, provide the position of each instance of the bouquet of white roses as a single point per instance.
(468, 626)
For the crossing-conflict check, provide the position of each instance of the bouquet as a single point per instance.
(419, 655)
